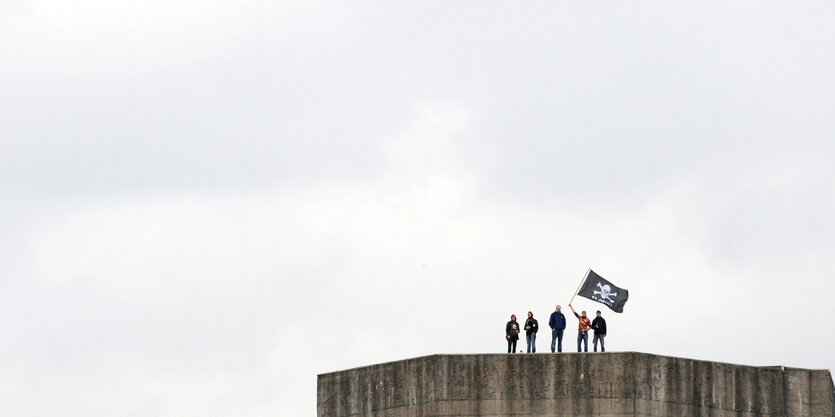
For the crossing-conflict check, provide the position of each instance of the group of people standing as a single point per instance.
(557, 323)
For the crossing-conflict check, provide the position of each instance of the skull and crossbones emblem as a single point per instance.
(605, 292)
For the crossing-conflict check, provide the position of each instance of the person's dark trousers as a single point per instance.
(556, 336)
(531, 339)
(582, 338)
(596, 338)
(511, 346)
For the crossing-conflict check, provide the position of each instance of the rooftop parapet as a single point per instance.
(573, 384)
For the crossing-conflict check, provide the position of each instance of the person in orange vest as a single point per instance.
(582, 330)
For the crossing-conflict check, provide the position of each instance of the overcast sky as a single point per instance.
(205, 204)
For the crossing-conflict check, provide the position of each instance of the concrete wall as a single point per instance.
(573, 384)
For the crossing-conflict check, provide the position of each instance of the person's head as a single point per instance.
(583, 313)
(558, 309)
(512, 317)
(598, 313)
(530, 314)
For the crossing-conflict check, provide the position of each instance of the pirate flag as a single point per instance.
(596, 288)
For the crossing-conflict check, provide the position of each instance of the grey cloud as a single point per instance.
(218, 212)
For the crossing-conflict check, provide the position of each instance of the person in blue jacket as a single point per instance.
(557, 323)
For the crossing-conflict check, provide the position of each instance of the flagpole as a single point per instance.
(578, 287)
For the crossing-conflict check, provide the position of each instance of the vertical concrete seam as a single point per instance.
(634, 385)
(784, 409)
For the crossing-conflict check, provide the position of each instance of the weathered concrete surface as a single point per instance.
(573, 384)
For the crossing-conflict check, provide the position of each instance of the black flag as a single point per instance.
(596, 288)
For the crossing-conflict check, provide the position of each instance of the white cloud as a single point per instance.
(97, 36)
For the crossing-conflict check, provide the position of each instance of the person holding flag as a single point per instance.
(582, 330)
(596, 288)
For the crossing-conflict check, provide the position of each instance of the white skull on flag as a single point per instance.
(605, 292)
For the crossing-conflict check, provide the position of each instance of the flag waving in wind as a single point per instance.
(596, 288)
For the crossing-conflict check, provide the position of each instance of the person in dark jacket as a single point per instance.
(599, 326)
(557, 323)
(512, 334)
(531, 327)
